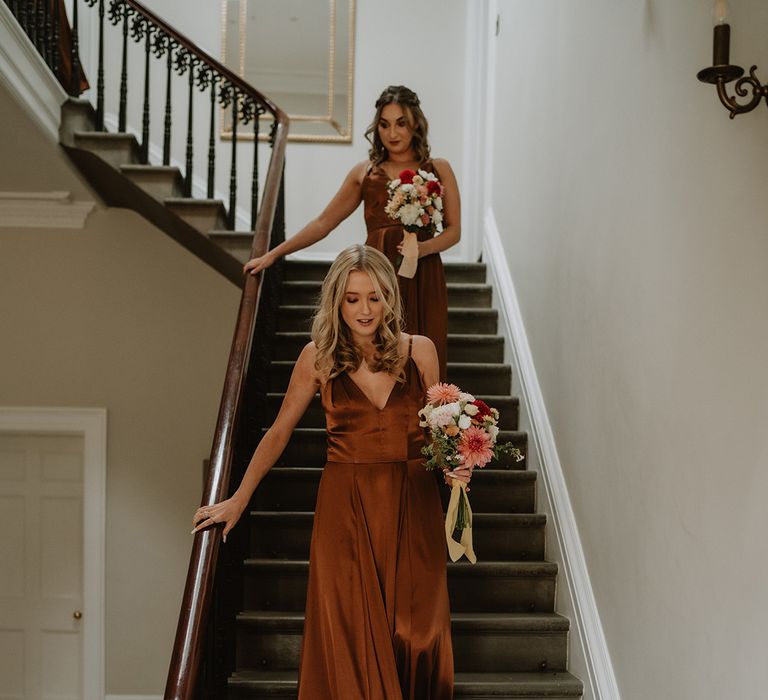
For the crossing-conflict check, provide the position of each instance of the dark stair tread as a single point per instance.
(512, 569)
(509, 519)
(140, 168)
(193, 202)
(502, 622)
(105, 136)
(522, 684)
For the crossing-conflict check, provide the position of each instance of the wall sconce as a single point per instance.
(722, 72)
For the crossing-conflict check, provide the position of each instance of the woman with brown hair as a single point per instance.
(399, 140)
(377, 622)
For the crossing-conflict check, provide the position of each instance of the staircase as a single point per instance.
(508, 641)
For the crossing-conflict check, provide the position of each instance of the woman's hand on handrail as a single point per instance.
(227, 512)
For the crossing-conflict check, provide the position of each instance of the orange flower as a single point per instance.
(475, 447)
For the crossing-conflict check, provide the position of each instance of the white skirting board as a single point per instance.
(589, 658)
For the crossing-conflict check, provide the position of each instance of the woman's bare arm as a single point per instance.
(344, 202)
(301, 389)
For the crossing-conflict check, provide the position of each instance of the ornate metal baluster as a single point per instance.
(252, 111)
(47, 45)
(124, 75)
(74, 86)
(142, 29)
(167, 121)
(233, 166)
(185, 61)
(40, 21)
(32, 22)
(212, 138)
(55, 38)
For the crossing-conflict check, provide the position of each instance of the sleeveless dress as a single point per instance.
(377, 622)
(425, 296)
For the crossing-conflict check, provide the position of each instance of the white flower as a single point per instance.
(454, 407)
(493, 431)
(463, 396)
(418, 180)
(409, 214)
(441, 416)
(406, 187)
(465, 422)
(470, 409)
(394, 184)
(438, 203)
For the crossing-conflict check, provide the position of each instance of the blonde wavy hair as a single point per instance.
(409, 101)
(336, 351)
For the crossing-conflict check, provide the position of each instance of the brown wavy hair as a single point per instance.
(409, 101)
(335, 350)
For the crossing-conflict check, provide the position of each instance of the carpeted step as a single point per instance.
(487, 378)
(311, 270)
(252, 684)
(516, 536)
(307, 293)
(161, 181)
(462, 347)
(115, 149)
(493, 490)
(314, 417)
(307, 448)
(482, 642)
(474, 321)
(488, 586)
(203, 214)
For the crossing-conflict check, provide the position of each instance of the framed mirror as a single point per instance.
(300, 54)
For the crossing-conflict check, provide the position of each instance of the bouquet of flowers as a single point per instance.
(416, 201)
(464, 431)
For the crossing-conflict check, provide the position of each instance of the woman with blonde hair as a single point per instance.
(398, 136)
(377, 623)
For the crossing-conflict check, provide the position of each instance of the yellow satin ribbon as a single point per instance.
(410, 253)
(464, 546)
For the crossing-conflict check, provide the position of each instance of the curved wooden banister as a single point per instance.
(185, 660)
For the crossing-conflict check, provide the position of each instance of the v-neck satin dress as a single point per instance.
(377, 623)
(425, 296)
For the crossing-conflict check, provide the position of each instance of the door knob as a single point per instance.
(77, 614)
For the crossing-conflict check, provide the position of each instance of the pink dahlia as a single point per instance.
(475, 447)
(442, 393)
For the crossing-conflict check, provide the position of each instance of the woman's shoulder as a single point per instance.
(422, 348)
(305, 363)
(360, 170)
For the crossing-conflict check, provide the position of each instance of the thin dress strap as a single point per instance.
(410, 345)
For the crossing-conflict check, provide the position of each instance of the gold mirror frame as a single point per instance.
(339, 122)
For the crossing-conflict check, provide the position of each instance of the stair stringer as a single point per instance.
(588, 655)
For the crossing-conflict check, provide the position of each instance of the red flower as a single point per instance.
(406, 177)
(433, 187)
(483, 408)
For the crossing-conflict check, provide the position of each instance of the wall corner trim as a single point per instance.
(587, 625)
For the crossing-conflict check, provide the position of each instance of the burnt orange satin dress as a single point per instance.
(377, 623)
(425, 296)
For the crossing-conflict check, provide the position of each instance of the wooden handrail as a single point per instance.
(185, 660)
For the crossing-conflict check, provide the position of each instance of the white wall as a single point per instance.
(633, 215)
(420, 45)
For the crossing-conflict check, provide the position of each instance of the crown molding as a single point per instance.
(43, 210)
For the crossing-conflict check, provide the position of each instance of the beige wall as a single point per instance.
(118, 315)
(634, 216)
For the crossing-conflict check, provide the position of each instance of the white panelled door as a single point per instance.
(41, 566)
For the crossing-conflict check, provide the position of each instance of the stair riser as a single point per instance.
(289, 538)
(474, 651)
(316, 272)
(300, 494)
(158, 185)
(287, 591)
(476, 379)
(482, 322)
(310, 451)
(314, 417)
(477, 298)
(459, 350)
(116, 153)
(203, 218)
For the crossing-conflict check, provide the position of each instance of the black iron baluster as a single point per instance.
(188, 170)
(74, 87)
(212, 138)
(255, 176)
(47, 46)
(32, 22)
(124, 75)
(15, 8)
(100, 73)
(167, 123)
(233, 166)
(142, 29)
(40, 22)
(23, 15)
(55, 38)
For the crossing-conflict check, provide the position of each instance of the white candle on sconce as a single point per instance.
(720, 12)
